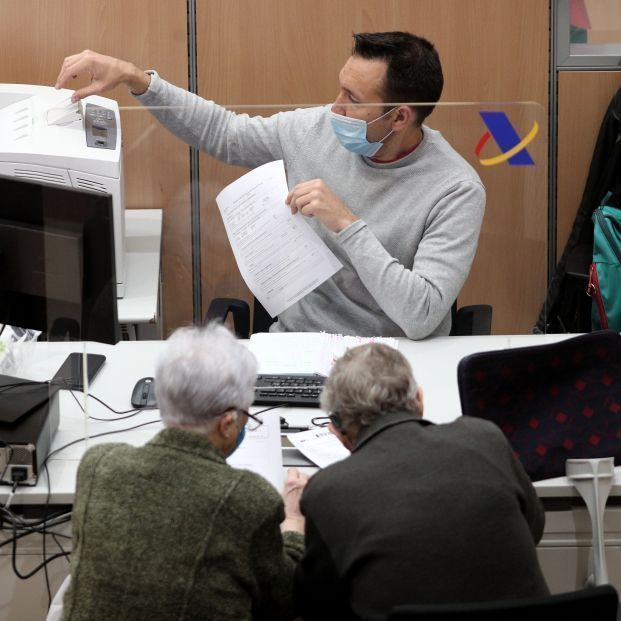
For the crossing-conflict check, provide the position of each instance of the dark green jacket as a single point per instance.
(170, 531)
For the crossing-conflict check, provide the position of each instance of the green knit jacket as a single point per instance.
(170, 531)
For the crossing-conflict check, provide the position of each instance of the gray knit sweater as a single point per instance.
(406, 258)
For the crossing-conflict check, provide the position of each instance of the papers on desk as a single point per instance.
(305, 352)
(319, 445)
(261, 451)
(279, 256)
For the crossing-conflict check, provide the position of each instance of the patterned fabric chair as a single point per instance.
(554, 402)
(560, 407)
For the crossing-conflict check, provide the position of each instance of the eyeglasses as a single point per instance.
(253, 422)
(320, 421)
(324, 421)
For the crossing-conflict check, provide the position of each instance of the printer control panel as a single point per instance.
(100, 127)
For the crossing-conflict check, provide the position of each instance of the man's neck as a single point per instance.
(398, 145)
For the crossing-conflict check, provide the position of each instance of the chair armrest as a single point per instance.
(219, 308)
(475, 319)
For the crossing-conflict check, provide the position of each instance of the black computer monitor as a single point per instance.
(57, 271)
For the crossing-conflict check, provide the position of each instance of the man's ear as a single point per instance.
(343, 437)
(418, 399)
(226, 424)
(404, 117)
(223, 434)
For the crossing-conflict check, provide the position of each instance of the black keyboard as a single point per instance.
(295, 390)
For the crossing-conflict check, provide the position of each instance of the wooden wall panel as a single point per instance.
(35, 37)
(290, 51)
(583, 97)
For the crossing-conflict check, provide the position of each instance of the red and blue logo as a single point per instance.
(513, 148)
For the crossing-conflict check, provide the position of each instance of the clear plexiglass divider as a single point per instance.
(505, 144)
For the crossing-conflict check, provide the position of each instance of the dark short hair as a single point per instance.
(413, 72)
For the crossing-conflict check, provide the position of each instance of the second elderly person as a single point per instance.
(418, 513)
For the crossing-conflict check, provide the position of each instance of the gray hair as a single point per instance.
(202, 372)
(369, 381)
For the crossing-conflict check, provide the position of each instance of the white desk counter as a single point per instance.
(126, 362)
(563, 551)
(141, 305)
(434, 362)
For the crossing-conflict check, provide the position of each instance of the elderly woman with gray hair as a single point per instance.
(418, 513)
(169, 530)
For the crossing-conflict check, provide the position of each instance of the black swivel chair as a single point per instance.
(466, 321)
(599, 603)
(471, 320)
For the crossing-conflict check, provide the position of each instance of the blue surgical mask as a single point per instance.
(240, 437)
(352, 133)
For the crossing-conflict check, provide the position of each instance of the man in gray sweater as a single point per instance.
(398, 206)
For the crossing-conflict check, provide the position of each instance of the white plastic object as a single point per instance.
(56, 608)
(593, 478)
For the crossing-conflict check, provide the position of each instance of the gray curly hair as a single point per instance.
(369, 381)
(202, 372)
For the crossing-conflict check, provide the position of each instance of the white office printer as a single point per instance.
(44, 137)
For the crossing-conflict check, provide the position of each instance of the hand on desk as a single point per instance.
(292, 492)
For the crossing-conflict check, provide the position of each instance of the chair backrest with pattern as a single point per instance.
(553, 402)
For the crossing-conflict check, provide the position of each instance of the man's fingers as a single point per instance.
(81, 93)
(296, 479)
(293, 475)
(70, 69)
(73, 66)
(305, 197)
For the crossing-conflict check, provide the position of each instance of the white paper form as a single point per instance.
(319, 445)
(261, 451)
(279, 256)
(64, 112)
(336, 345)
(305, 352)
(287, 352)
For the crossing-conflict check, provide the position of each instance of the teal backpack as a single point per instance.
(605, 271)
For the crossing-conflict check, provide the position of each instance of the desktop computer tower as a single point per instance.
(28, 421)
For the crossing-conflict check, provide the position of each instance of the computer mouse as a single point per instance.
(143, 395)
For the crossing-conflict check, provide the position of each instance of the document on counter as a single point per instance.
(261, 451)
(305, 352)
(319, 445)
(279, 256)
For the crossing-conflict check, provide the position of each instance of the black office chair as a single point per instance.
(599, 603)
(466, 321)
(471, 320)
(220, 308)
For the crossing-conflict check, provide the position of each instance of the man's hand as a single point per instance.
(314, 198)
(105, 73)
(294, 486)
